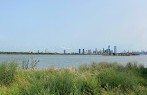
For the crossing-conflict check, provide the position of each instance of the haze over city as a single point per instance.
(33, 25)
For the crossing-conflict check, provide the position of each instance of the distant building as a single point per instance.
(111, 51)
(108, 51)
(83, 51)
(64, 51)
(38, 51)
(109, 47)
(100, 52)
(89, 51)
(86, 52)
(115, 49)
(46, 50)
(79, 51)
(103, 50)
(96, 51)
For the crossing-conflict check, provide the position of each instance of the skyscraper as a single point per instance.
(64, 51)
(108, 50)
(115, 49)
(103, 50)
(109, 47)
(79, 51)
(83, 51)
(96, 51)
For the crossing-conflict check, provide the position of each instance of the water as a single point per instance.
(64, 61)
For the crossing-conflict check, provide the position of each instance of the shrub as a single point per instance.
(60, 83)
(7, 72)
(94, 79)
(83, 68)
(87, 86)
(113, 79)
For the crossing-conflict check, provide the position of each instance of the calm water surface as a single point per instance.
(64, 61)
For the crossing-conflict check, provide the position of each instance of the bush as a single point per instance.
(94, 79)
(60, 83)
(113, 79)
(7, 72)
(87, 86)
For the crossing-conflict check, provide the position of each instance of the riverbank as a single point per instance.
(32, 53)
(96, 78)
(29, 53)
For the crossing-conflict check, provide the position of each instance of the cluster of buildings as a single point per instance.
(96, 51)
(140, 52)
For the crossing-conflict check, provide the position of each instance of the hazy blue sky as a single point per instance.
(31, 25)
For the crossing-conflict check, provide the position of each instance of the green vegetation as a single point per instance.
(94, 79)
(29, 53)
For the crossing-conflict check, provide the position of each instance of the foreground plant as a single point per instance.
(7, 73)
(94, 79)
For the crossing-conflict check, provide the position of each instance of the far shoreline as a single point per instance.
(31, 53)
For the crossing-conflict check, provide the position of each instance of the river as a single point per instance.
(64, 61)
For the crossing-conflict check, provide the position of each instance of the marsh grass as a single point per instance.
(7, 73)
(30, 63)
(94, 79)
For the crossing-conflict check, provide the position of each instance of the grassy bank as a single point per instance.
(94, 79)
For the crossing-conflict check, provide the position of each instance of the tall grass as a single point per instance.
(30, 63)
(7, 73)
(94, 79)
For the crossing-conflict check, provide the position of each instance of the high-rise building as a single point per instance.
(96, 51)
(83, 51)
(79, 51)
(86, 52)
(64, 51)
(115, 49)
(103, 50)
(111, 51)
(109, 47)
(89, 51)
(100, 52)
(108, 51)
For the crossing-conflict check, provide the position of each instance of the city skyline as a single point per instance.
(113, 49)
(108, 50)
(73, 25)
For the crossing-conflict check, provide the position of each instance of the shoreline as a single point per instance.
(28, 53)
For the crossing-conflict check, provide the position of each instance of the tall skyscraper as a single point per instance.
(96, 51)
(109, 47)
(108, 51)
(115, 49)
(64, 51)
(103, 50)
(79, 51)
(83, 51)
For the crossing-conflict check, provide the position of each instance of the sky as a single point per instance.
(31, 25)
